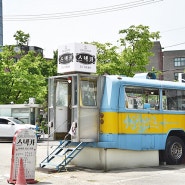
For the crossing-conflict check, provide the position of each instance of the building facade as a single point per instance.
(170, 63)
(156, 60)
(173, 63)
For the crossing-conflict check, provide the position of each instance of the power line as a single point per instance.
(175, 45)
(80, 13)
(173, 29)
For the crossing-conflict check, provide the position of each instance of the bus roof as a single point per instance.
(145, 82)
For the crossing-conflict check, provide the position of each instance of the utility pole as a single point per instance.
(1, 23)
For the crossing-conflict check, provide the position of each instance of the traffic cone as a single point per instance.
(21, 180)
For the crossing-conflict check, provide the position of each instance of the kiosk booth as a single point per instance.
(73, 96)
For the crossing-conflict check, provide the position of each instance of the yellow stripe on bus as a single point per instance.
(138, 123)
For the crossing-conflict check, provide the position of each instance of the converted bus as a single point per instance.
(118, 112)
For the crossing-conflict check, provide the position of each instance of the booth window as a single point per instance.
(62, 94)
(88, 93)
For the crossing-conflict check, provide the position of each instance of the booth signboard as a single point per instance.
(24, 146)
(77, 57)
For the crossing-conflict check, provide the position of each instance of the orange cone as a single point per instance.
(21, 180)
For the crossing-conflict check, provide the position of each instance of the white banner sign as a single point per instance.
(77, 57)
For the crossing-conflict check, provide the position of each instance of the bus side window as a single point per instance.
(133, 98)
(142, 98)
(173, 99)
(183, 100)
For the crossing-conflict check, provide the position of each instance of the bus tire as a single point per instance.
(174, 151)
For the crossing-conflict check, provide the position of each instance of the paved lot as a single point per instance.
(171, 175)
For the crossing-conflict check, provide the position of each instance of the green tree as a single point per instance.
(22, 79)
(107, 58)
(6, 64)
(24, 74)
(21, 38)
(132, 54)
(137, 42)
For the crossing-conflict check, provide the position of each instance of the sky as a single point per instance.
(52, 23)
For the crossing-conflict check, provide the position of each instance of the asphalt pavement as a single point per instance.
(171, 175)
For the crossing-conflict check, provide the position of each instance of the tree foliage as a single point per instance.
(137, 42)
(131, 56)
(21, 38)
(22, 79)
(107, 58)
(23, 74)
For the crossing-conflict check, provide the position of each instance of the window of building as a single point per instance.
(179, 77)
(180, 61)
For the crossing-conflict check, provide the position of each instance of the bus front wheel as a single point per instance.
(174, 151)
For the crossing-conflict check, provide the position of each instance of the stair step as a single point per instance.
(66, 154)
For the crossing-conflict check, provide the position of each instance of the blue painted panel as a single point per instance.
(110, 96)
(109, 137)
(133, 142)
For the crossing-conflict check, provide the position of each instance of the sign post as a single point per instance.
(24, 146)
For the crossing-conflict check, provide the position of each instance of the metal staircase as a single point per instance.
(62, 155)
